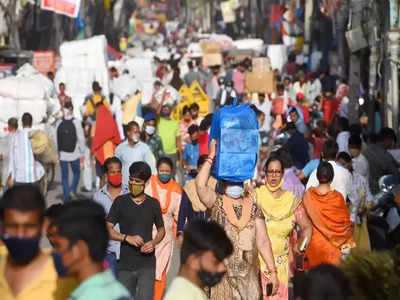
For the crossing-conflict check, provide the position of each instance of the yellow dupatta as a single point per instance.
(280, 221)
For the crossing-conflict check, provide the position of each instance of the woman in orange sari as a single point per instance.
(168, 192)
(332, 230)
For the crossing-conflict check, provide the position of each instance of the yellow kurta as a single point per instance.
(280, 220)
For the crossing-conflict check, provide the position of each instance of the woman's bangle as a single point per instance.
(125, 236)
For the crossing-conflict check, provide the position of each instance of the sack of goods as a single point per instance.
(236, 130)
(43, 147)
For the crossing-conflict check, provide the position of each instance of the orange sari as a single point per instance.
(332, 230)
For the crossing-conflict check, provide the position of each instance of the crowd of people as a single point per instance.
(305, 208)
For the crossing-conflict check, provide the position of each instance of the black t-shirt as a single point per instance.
(134, 219)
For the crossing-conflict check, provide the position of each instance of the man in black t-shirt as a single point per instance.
(136, 213)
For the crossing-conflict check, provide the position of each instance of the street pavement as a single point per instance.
(55, 195)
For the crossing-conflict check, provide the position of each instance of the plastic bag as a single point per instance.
(236, 130)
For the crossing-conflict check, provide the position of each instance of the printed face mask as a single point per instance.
(136, 189)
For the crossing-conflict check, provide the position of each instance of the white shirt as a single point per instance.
(343, 141)
(314, 89)
(23, 166)
(265, 107)
(129, 154)
(361, 166)
(344, 108)
(342, 180)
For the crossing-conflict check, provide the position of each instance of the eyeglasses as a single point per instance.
(274, 172)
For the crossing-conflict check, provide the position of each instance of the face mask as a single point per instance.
(234, 191)
(228, 89)
(194, 142)
(210, 279)
(136, 189)
(150, 130)
(21, 250)
(65, 111)
(115, 179)
(165, 114)
(62, 270)
(195, 116)
(164, 177)
(135, 138)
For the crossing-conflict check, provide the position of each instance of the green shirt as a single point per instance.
(168, 130)
(102, 286)
(183, 289)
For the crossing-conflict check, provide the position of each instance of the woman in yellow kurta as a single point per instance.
(282, 211)
(168, 192)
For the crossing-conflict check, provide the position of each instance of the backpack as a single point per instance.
(66, 136)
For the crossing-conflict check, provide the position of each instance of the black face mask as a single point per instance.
(210, 279)
(194, 142)
(21, 250)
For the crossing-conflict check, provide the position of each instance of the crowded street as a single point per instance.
(194, 150)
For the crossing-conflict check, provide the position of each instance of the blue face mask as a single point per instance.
(165, 177)
(21, 250)
(234, 191)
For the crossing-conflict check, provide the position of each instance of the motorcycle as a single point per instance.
(384, 217)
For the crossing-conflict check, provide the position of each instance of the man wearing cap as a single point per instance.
(150, 136)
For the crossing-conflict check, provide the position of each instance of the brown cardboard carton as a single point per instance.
(261, 64)
(212, 59)
(259, 82)
(210, 47)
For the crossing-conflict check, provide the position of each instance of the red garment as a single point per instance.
(306, 114)
(203, 143)
(106, 137)
(318, 143)
(329, 108)
(278, 105)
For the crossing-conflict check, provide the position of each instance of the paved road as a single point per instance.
(55, 195)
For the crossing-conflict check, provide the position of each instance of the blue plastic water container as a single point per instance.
(235, 127)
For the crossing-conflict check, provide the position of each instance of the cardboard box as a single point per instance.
(212, 59)
(210, 47)
(260, 82)
(261, 64)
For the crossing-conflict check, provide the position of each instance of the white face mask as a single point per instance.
(234, 191)
(135, 138)
(66, 112)
(150, 130)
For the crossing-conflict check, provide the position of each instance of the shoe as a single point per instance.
(85, 190)
(73, 195)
